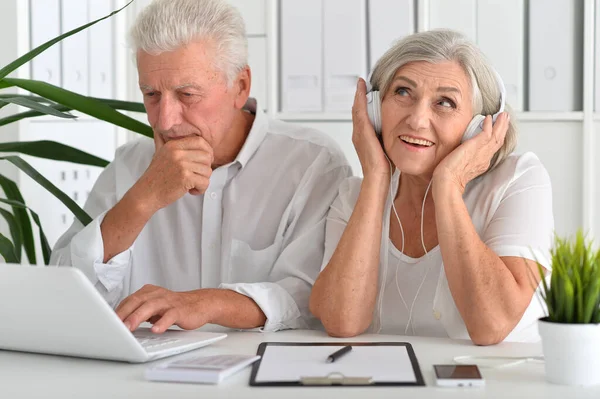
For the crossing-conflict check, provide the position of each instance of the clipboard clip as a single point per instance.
(336, 379)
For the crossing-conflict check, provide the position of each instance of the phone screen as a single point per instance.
(459, 372)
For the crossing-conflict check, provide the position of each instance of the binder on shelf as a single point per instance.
(75, 48)
(345, 51)
(45, 25)
(501, 36)
(301, 55)
(102, 50)
(389, 20)
(555, 55)
(458, 15)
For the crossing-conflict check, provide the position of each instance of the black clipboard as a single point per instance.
(336, 379)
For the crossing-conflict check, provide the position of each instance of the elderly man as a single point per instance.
(222, 218)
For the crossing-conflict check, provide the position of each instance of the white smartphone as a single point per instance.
(452, 375)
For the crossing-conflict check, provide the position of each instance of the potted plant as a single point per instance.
(571, 331)
(45, 99)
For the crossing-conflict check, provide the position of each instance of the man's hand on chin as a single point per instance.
(164, 308)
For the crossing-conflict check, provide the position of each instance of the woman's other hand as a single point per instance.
(472, 158)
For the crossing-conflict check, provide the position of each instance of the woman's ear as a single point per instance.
(242, 87)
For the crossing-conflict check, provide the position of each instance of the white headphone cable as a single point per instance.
(410, 311)
(496, 362)
(384, 278)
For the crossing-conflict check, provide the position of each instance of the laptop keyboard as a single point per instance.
(152, 342)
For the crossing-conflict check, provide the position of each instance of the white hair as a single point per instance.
(442, 45)
(166, 25)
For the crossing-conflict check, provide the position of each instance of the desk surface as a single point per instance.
(33, 375)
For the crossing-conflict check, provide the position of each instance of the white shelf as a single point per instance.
(315, 116)
(538, 116)
(347, 117)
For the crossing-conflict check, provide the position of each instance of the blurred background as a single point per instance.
(305, 57)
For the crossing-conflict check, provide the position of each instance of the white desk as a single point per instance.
(24, 375)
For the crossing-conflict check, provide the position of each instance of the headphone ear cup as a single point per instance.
(374, 110)
(475, 127)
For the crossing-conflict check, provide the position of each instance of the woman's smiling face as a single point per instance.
(425, 112)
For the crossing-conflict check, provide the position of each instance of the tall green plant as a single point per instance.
(573, 295)
(46, 99)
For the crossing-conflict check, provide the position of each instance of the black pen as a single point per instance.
(337, 354)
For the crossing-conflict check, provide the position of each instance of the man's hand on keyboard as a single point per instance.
(164, 308)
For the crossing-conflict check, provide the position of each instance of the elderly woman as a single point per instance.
(442, 234)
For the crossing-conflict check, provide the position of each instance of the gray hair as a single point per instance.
(166, 25)
(446, 45)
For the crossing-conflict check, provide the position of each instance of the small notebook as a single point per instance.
(200, 369)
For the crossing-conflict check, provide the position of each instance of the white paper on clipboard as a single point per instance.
(383, 364)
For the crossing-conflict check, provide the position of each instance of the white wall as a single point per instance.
(564, 141)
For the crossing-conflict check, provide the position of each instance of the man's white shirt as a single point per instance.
(259, 228)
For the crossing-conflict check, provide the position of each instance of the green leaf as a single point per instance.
(12, 193)
(574, 292)
(30, 114)
(123, 105)
(15, 232)
(46, 250)
(32, 98)
(116, 104)
(569, 301)
(556, 284)
(5, 85)
(52, 150)
(592, 295)
(546, 291)
(86, 105)
(596, 315)
(79, 213)
(578, 298)
(7, 250)
(44, 109)
(38, 50)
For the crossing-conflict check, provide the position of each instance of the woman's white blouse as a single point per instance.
(511, 210)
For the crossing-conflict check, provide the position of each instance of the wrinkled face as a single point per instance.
(425, 112)
(184, 94)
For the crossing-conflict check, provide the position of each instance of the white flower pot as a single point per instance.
(571, 352)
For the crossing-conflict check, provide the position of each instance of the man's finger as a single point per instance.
(166, 321)
(154, 319)
(128, 305)
(147, 310)
(159, 141)
(199, 157)
(200, 183)
(193, 142)
(200, 169)
(134, 300)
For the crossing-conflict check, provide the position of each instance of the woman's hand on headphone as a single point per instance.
(472, 158)
(368, 147)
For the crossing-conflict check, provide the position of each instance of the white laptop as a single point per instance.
(57, 310)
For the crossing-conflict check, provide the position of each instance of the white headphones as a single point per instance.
(473, 128)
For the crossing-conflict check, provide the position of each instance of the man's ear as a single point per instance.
(241, 86)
